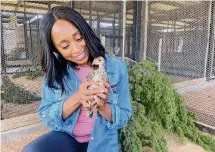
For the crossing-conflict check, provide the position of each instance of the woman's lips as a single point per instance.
(81, 56)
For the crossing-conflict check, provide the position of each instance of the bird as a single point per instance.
(98, 74)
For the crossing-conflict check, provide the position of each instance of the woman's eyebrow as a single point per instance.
(77, 32)
(62, 41)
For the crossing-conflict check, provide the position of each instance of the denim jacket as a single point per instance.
(104, 137)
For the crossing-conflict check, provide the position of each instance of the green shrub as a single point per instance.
(158, 109)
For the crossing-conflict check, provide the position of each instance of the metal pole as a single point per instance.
(137, 29)
(128, 42)
(174, 35)
(159, 54)
(30, 35)
(145, 28)
(167, 36)
(113, 32)
(124, 29)
(90, 18)
(3, 65)
(25, 33)
(212, 47)
(72, 4)
(38, 40)
(98, 24)
(208, 37)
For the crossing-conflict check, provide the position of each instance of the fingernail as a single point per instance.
(102, 91)
(94, 97)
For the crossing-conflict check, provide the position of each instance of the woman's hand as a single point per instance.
(85, 95)
(101, 98)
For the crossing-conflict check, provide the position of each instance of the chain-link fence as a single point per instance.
(177, 35)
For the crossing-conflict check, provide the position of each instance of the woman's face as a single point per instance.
(69, 42)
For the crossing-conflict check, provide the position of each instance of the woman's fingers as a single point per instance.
(106, 84)
(86, 103)
(88, 98)
(94, 91)
(96, 96)
(97, 102)
(90, 83)
(102, 96)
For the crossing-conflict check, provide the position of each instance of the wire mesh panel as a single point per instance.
(211, 47)
(178, 38)
(180, 32)
(179, 42)
(105, 19)
(21, 73)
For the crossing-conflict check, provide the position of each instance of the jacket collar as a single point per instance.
(109, 65)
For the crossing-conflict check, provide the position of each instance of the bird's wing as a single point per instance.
(104, 77)
(91, 75)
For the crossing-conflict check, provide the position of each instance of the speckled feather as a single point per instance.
(98, 75)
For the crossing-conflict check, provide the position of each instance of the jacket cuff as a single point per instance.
(115, 112)
(52, 116)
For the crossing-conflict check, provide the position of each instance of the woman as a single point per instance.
(68, 48)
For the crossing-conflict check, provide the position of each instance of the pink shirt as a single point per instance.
(83, 128)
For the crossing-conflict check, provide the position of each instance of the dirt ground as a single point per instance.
(202, 102)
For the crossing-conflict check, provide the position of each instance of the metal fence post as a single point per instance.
(136, 29)
(3, 65)
(90, 13)
(208, 37)
(26, 33)
(124, 29)
(145, 28)
(159, 54)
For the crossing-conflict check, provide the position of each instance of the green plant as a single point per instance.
(158, 109)
(15, 94)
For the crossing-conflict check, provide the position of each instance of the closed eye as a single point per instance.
(65, 47)
(79, 40)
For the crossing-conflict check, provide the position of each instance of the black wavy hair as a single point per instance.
(55, 68)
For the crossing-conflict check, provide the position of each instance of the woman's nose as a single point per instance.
(76, 49)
